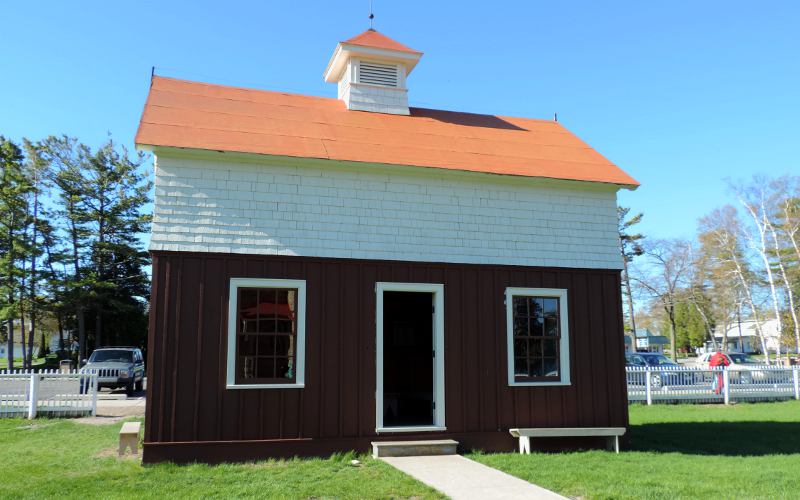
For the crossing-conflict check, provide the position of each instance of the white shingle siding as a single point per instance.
(405, 214)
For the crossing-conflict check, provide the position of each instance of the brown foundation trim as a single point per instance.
(213, 452)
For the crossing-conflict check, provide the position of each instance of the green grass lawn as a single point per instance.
(65, 459)
(37, 362)
(681, 451)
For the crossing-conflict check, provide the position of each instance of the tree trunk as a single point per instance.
(60, 319)
(81, 334)
(10, 345)
(79, 312)
(749, 298)
(672, 336)
(25, 364)
(32, 285)
(98, 329)
(787, 285)
(761, 226)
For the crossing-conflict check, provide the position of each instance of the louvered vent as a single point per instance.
(378, 74)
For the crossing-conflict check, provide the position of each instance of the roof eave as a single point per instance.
(344, 51)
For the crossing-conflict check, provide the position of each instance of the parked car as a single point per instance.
(672, 374)
(746, 370)
(117, 367)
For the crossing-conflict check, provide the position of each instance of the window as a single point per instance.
(266, 333)
(538, 336)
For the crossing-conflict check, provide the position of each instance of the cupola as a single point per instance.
(371, 71)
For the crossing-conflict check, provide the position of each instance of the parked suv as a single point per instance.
(117, 367)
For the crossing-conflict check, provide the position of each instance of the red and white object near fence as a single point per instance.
(712, 384)
(50, 393)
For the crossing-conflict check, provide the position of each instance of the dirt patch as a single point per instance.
(113, 453)
(33, 427)
(99, 420)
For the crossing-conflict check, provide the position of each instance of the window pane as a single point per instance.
(535, 348)
(537, 307)
(537, 326)
(284, 326)
(247, 345)
(521, 367)
(550, 367)
(550, 348)
(247, 367)
(536, 369)
(266, 345)
(282, 368)
(266, 368)
(521, 326)
(521, 348)
(283, 345)
(248, 298)
(520, 306)
(266, 325)
(551, 326)
(550, 306)
(248, 326)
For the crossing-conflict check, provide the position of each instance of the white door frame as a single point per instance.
(438, 340)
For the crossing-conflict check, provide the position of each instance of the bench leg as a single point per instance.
(524, 445)
(616, 444)
(126, 442)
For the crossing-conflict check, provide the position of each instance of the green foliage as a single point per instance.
(690, 329)
(70, 219)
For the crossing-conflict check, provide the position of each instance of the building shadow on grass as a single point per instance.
(717, 438)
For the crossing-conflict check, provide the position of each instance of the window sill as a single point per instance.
(265, 386)
(543, 384)
(424, 428)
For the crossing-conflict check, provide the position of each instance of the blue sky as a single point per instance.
(681, 94)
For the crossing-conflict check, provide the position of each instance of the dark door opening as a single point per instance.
(408, 359)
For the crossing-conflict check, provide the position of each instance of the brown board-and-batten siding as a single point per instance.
(191, 416)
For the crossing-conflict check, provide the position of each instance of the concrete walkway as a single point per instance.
(464, 479)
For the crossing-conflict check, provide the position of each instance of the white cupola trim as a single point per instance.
(370, 70)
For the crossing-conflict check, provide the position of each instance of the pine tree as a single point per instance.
(14, 188)
(630, 247)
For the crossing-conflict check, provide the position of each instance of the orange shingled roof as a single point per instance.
(372, 38)
(195, 115)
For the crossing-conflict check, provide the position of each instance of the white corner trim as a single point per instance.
(564, 367)
(300, 356)
(437, 290)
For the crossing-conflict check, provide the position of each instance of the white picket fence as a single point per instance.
(50, 393)
(709, 385)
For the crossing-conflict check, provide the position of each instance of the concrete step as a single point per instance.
(413, 448)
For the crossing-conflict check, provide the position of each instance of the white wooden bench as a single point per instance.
(525, 435)
(129, 438)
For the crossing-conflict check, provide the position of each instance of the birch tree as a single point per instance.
(720, 236)
(755, 200)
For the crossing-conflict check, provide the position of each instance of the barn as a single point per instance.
(332, 272)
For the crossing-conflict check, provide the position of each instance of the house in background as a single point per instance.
(647, 341)
(332, 272)
(743, 337)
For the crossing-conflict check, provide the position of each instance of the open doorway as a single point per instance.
(409, 373)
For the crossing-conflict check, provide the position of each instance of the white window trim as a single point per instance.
(559, 293)
(300, 355)
(438, 334)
